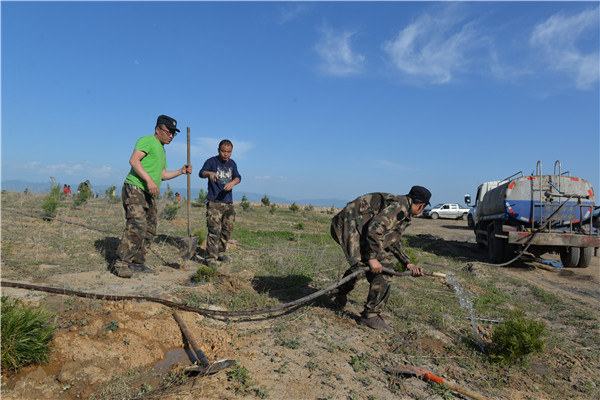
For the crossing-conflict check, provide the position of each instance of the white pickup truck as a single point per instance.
(446, 210)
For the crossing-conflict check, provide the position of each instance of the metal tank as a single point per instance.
(538, 200)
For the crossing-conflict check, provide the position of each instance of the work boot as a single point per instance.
(376, 322)
(339, 301)
(122, 271)
(223, 258)
(135, 267)
(210, 262)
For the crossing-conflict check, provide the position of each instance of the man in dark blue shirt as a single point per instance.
(223, 175)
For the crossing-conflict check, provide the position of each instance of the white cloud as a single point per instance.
(102, 172)
(433, 47)
(392, 165)
(63, 169)
(557, 39)
(289, 11)
(337, 56)
(31, 165)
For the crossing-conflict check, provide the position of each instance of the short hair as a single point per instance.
(225, 142)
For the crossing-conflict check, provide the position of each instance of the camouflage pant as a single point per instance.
(344, 232)
(220, 218)
(140, 228)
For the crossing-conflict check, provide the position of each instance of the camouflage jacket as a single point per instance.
(381, 219)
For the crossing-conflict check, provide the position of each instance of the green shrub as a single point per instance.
(272, 209)
(110, 192)
(309, 207)
(84, 192)
(168, 195)
(265, 200)
(515, 338)
(51, 200)
(331, 210)
(300, 226)
(170, 211)
(294, 207)
(201, 199)
(204, 274)
(200, 236)
(245, 205)
(26, 334)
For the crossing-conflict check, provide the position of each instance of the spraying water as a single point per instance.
(466, 303)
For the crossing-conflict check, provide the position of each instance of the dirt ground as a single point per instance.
(99, 340)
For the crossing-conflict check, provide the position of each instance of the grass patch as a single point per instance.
(360, 363)
(26, 334)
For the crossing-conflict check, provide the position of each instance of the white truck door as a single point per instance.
(445, 211)
(454, 210)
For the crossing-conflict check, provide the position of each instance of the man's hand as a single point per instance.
(375, 266)
(229, 186)
(186, 169)
(212, 176)
(153, 188)
(416, 271)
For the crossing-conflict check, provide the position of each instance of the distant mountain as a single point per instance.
(44, 187)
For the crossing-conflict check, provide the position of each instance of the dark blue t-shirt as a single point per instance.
(226, 172)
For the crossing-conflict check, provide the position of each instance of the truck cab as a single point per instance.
(473, 216)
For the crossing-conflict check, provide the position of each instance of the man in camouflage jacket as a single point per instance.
(369, 230)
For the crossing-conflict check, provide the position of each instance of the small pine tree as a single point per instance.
(170, 211)
(294, 207)
(272, 209)
(169, 193)
(331, 210)
(51, 201)
(309, 207)
(110, 192)
(517, 337)
(201, 199)
(245, 205)
(265, 200)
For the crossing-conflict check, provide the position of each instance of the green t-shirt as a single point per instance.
(154, 162)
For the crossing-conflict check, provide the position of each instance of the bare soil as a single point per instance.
(307, 353)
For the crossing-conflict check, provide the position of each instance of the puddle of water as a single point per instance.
(464, 299)
(555, 264)
(172, 357)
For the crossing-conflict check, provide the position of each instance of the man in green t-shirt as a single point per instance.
(140, 191)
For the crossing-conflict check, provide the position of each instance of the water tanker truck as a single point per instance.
(538, 213)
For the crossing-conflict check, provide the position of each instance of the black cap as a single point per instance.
(420, 195)
(169, 122)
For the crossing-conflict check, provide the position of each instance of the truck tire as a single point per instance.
(464, 216)
(585, 257)
(496, 248)
(470, 221)
(434, 215)
(569, 256)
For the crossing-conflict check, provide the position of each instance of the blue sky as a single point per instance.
(321, 100)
